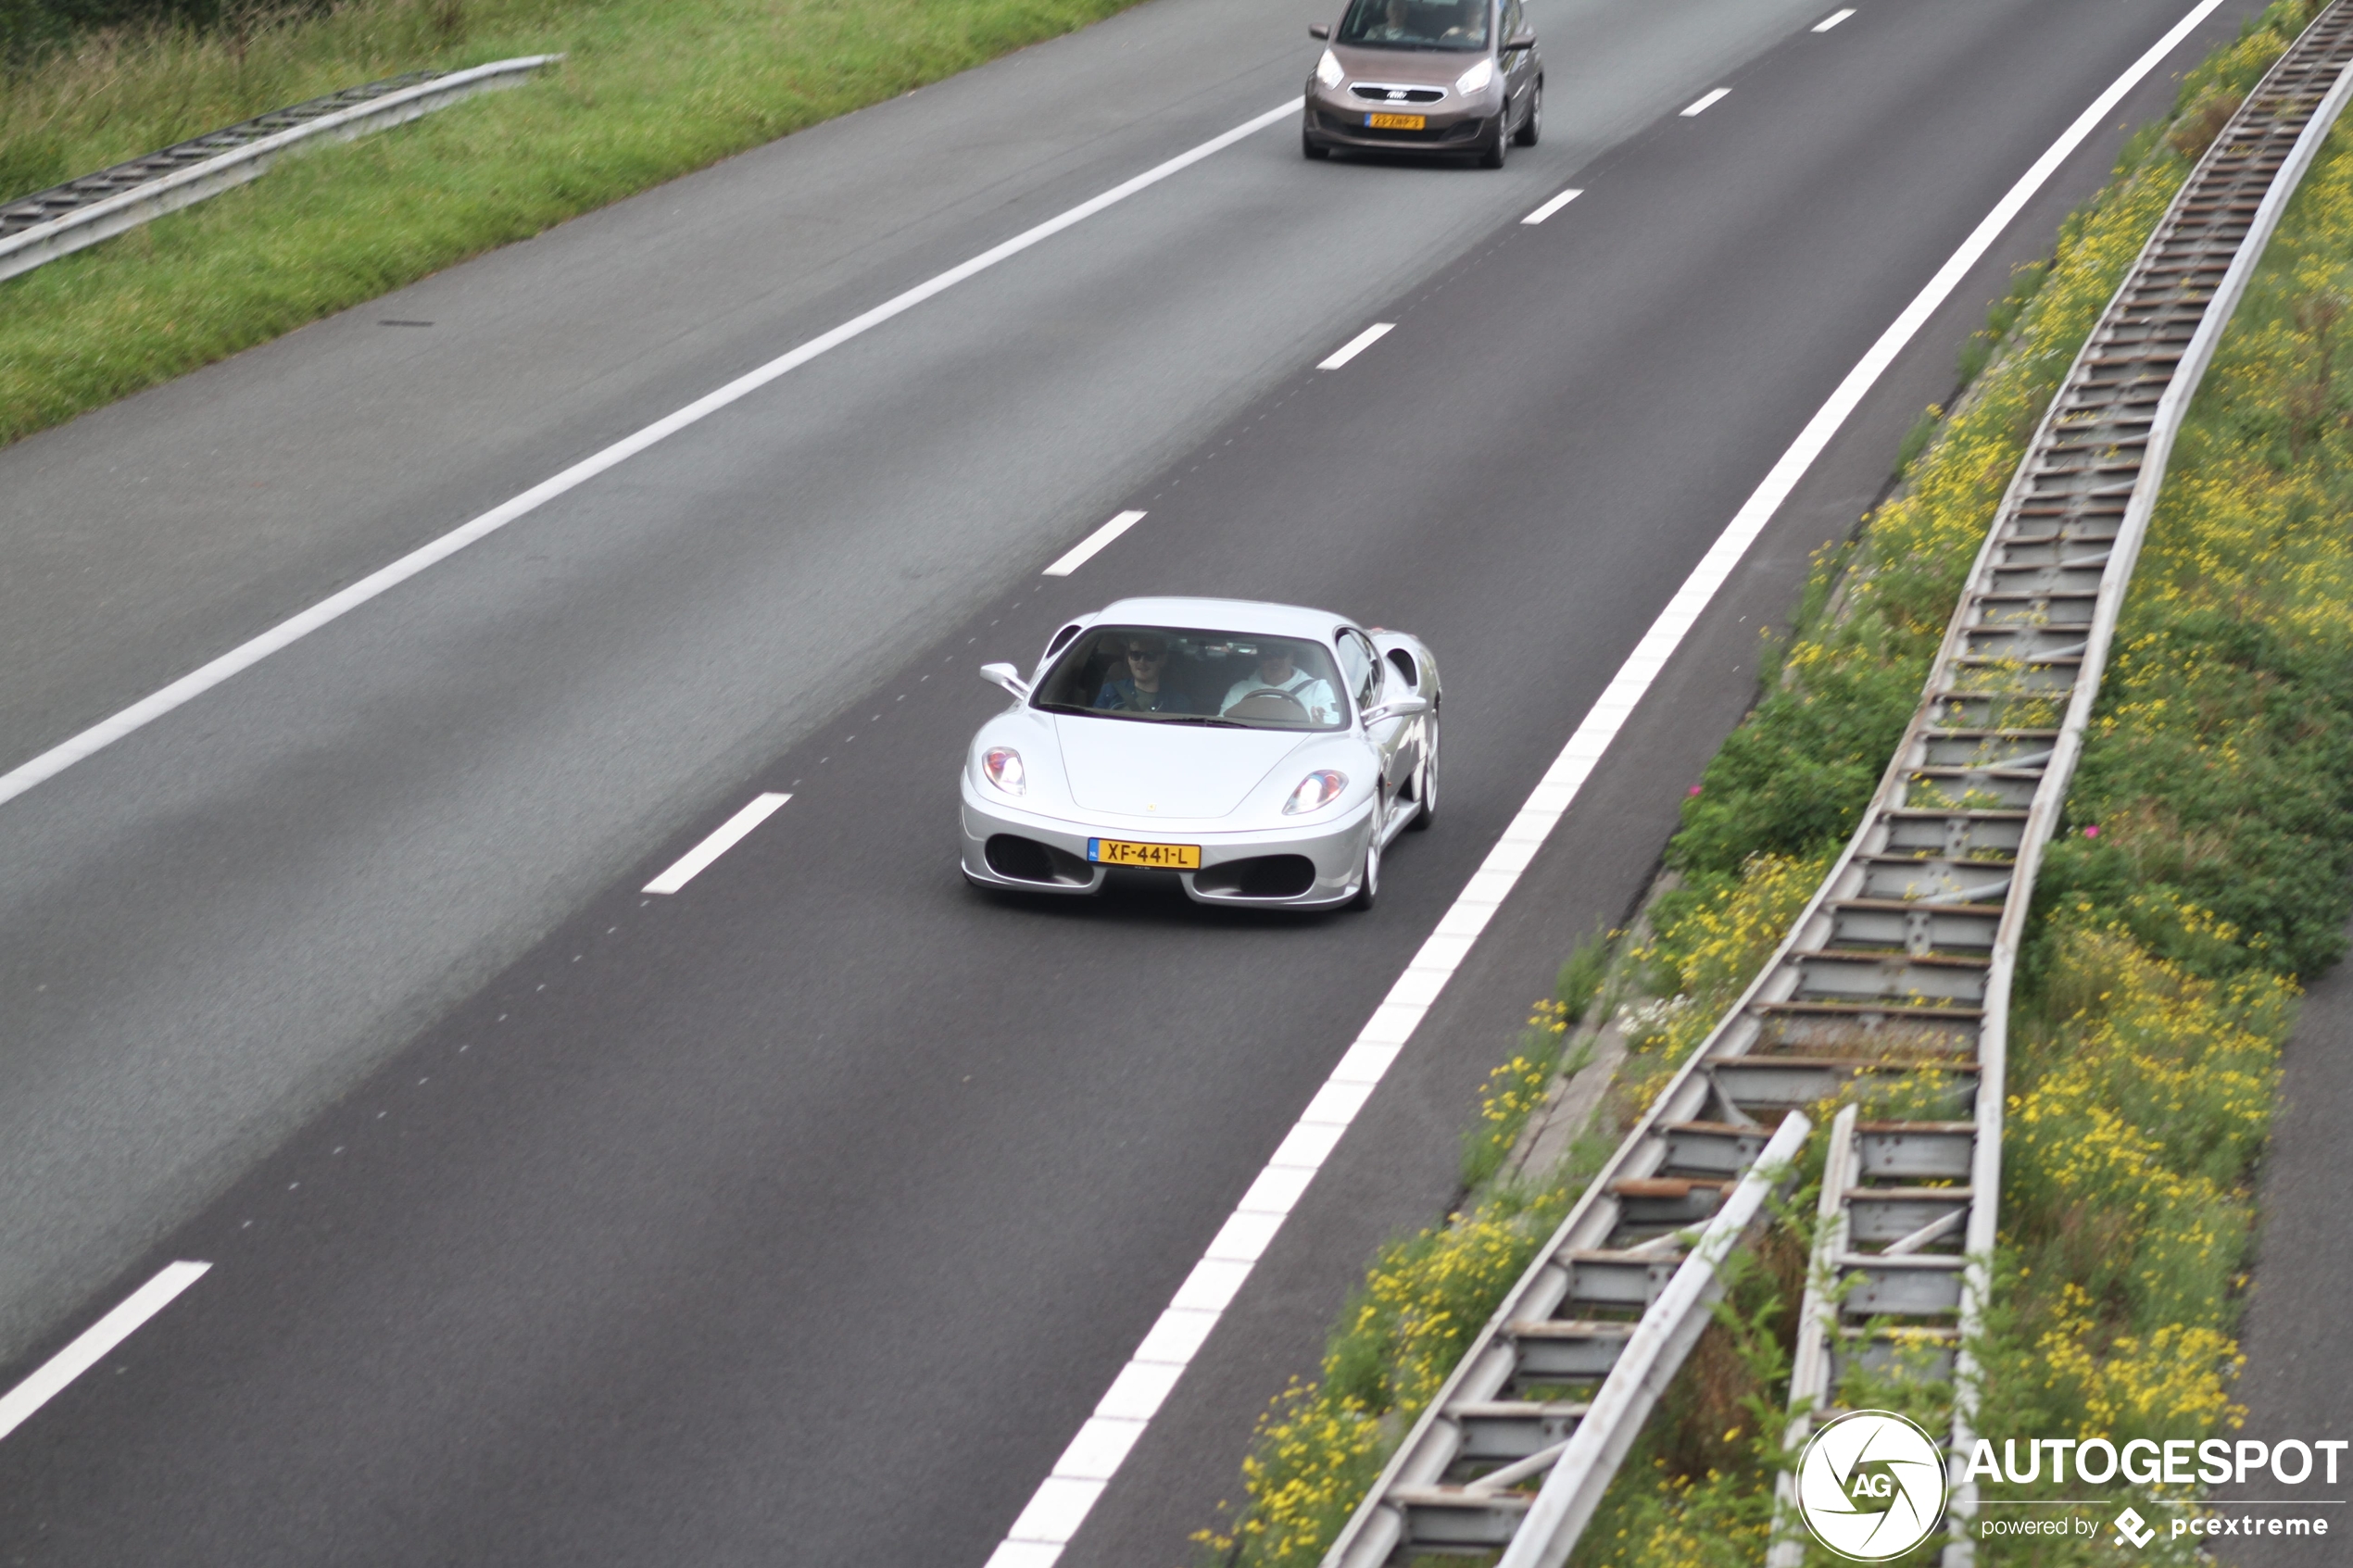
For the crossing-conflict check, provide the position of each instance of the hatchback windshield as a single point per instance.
(1416, 24)
(1169, 675)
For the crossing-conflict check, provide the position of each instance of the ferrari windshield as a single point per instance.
(1167, 675)
(1416, 24)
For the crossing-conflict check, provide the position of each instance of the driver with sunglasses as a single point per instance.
(1141, 690)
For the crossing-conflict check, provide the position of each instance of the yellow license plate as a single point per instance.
(1396, 121)
(1168, 857)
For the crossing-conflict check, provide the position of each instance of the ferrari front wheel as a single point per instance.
(1368, 886)
(1425, 780)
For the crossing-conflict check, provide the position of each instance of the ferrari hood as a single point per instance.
(1140, 769)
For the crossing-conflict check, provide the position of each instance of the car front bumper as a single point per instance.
(1312, 866)
(1336, 119)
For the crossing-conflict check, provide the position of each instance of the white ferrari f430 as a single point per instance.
(1261, 754)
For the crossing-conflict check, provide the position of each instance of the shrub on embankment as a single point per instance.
(31, 28)
(2218, 789)
(649, 90)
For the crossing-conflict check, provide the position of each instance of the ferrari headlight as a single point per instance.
(1329, 72)
(1315, 791)
(1475, 78)
(1002, 764)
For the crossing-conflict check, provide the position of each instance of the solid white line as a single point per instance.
(1552, 206)
(91, 1346)
(1832, 20)
(1063, 1500)
(1704, 101)
(1357, 344)
(731, 831)
(1080, 553)
(98, 736)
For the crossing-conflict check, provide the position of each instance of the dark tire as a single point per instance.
(1311, 147)
(1534, 125)
(1426, 782)
(1497, 145)
(1369, 887)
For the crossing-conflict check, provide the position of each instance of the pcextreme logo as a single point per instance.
(1871, 1485)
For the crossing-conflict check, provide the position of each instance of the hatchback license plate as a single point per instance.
(1170, 856)
(1397, 121)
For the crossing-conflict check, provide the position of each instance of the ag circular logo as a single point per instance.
(1871, 1485)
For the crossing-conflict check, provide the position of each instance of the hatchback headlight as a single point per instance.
(1315, 791)
(1475, 78)
(1329, 72)
(1002, 764)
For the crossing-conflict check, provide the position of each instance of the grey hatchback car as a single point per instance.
(1426, 76)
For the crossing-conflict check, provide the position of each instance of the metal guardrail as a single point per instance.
(1899, 968)
(1668, 1329)
(2186, 282)
(80, 212)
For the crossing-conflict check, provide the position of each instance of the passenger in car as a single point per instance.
(1278, 672)
(1140, 689)
(1392, 28)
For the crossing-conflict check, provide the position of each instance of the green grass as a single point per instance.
(649, 90)
(1916, 439)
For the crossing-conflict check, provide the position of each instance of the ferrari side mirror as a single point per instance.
(1005, 675)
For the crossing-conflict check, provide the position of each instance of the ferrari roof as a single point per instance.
(1225, 615)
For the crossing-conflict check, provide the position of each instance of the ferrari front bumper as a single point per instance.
(1316, 865)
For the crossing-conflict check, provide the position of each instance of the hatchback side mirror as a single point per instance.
(1319, 30)
(1397, 708)
(1005, 675)
(1520, 41)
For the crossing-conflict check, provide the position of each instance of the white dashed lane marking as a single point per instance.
(1552, 206)
(93, 1344)
(692, 862)
(1357, 344)
(1085, 550)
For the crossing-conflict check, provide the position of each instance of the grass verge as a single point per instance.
(649, 90)
(2204, 868)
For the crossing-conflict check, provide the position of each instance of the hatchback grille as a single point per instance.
(1373, 91)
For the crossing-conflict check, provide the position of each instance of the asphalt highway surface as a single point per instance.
(804, 1214)
(2303, 1277)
